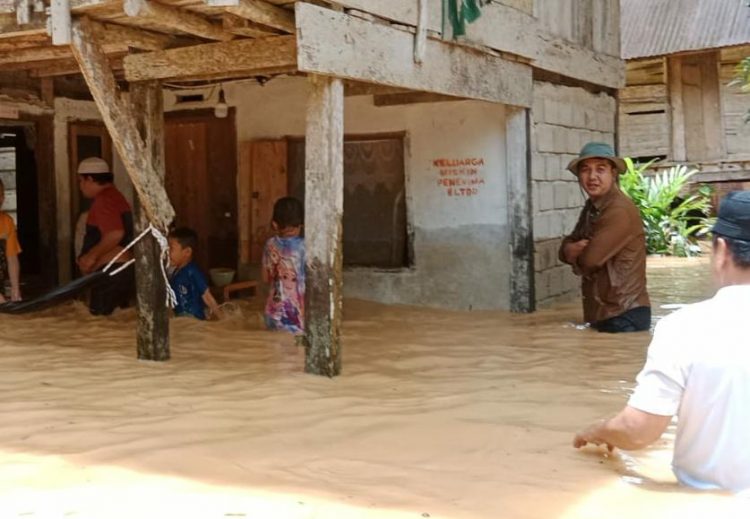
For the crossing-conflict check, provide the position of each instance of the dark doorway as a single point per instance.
(19, 175)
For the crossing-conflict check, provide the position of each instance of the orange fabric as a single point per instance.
(613, 264)
(8, 233)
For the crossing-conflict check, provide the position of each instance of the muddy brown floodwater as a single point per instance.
(438, 414)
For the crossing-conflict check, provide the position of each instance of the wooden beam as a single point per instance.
(517, 130)
(68, 67)
(341, 45)
(121, 124)
(264, 13)
(47, 89)
(132, 37)
(674, 77)
(175, 18)
(411, 98)
(9, 26)
(239, 56)
(243, 27)
(44, 153)
(35, 54)
(324, 205)
(152, 330)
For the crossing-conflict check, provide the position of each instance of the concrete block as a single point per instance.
(550, 111)
(607, 121)
(553, 166)
(542, 285)
(576, 198)
(545, 254)
(560, 195)
(541, 226)
(566, 114)
(537, 109)
(556, 281)
(538, 166)
(574, 139)
(545, 138)
(546, 196)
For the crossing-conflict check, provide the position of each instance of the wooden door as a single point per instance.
(201, 169)
(263, 180)
(704, 134)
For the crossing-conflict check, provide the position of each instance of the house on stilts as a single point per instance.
(429, 143)
(679, 104)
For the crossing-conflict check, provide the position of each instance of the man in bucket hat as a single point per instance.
(698, 368)
(607, 248)
(109, 228)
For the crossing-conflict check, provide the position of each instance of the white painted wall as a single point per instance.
(460, 248)
(443, 225)
(462, 129)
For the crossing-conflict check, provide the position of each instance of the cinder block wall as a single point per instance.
(563, 120)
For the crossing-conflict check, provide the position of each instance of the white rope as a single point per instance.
(171, 298)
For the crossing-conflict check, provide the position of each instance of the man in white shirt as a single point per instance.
(698, 368)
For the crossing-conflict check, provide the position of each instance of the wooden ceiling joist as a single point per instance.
(34, 54)
(175, 18)
(9, 26)
(226, 59)
(264, 13)
(244, 27)
(68, 67)
(135, 38)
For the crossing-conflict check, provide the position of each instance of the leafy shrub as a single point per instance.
(672, 223)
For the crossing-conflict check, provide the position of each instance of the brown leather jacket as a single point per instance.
(613, 264)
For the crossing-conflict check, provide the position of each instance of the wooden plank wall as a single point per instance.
(644, 121)
(735, 104)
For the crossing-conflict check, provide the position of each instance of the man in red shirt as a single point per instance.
(109, 228)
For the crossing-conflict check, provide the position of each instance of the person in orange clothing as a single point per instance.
(10, 269)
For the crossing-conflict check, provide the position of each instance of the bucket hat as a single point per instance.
(598, 150)
(734, 216)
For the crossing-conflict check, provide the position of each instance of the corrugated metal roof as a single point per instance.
(658, 27)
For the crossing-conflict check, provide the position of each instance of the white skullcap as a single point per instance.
(93, 166)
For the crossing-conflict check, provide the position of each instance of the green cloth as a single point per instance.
(461, 12)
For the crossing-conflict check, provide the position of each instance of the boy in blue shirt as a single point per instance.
(187, 281)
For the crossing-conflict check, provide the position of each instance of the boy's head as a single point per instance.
(94, 174)
(288, 214)
(182, 243)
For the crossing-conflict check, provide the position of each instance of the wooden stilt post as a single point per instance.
(137, 134)
(152, 333)
(324, 204)
(522, 296)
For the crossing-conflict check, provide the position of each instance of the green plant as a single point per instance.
(672, 223)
